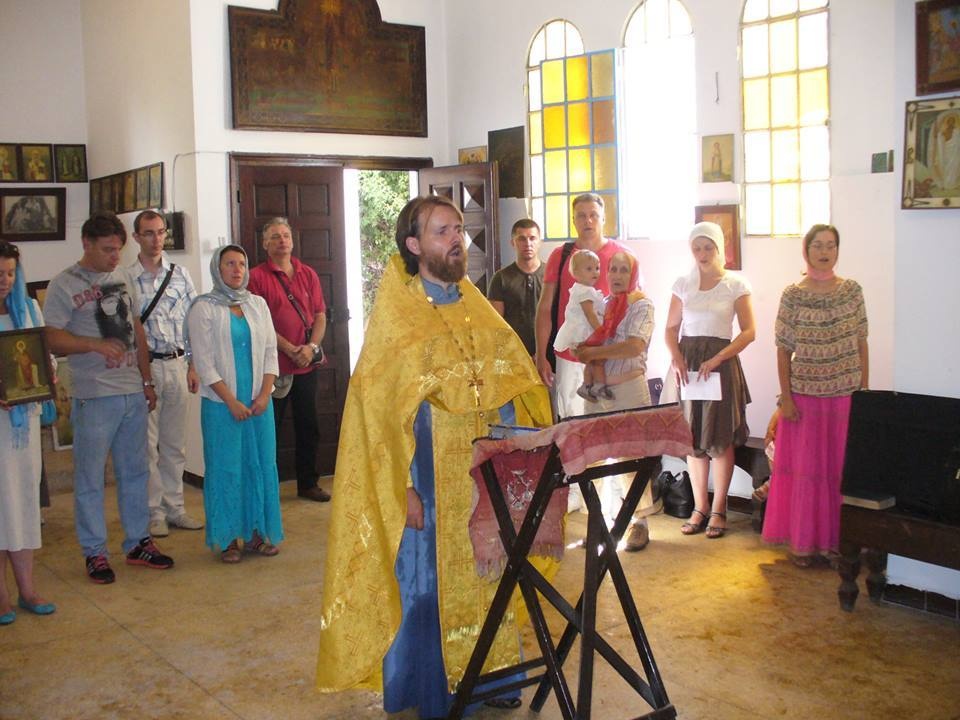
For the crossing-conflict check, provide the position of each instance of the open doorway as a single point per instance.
(373, 199)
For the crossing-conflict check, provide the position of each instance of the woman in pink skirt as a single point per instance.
(821, 336)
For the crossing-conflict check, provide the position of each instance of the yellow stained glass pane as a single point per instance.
(758, 210)
(813, 41)
(815, 153)
(536, 176)
(605, 167)
(755, 51)
(783, 101)
(554, 127)
(814, 97)
(601, 74)
(756, 104)
(578, 86)
(555, 171)
(533, 89)
(604, 122)
(754, 10)
(557, 217)
(756, 155)
(578, 124)
(815, 207)
(611, 213)
(581, 175)
(786, 209)
(785, 152)
(552, 80)
(536, 133)
(782, 7)
(783, 46)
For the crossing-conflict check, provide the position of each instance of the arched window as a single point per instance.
(571, 124)
(658, 140)
(784, 61)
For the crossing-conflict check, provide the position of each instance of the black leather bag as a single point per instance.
(676, 493)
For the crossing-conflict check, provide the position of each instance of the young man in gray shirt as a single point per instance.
(90, 310)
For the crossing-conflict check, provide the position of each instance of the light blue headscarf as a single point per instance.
(222, 294)
(19, 305)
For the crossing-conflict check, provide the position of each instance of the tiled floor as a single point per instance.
(737, 631)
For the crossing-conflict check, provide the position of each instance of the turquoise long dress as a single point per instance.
(241, 491)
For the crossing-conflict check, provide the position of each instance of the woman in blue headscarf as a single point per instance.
(233, 346)
(19, 456)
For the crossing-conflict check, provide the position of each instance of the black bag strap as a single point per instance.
(156, 298)
(293, 301)
(555, 307)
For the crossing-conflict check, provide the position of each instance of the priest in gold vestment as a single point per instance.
(402, 601)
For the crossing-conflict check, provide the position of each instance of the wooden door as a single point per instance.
(473, 189)
(311, 197)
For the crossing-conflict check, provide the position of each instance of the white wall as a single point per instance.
(42, 86)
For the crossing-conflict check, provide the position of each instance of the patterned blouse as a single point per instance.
(823, 331)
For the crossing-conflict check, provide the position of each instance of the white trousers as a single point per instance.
(166, 438)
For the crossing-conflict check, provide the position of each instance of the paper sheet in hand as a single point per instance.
(708, 389)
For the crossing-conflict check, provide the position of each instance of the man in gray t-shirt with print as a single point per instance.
(91, 318)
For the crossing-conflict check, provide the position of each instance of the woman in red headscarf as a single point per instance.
(627, 326)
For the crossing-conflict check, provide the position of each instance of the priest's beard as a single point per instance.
(447, 268)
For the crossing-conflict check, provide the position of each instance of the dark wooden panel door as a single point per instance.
(473, 189)
(311, 197)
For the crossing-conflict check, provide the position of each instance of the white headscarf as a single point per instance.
(712, 232)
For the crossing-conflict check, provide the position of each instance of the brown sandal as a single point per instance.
(259, 546)
(690, 528)
(232, 554)
(714, 532)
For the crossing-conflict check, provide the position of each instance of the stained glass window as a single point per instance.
(784, 52)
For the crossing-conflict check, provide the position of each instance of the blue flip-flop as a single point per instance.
(8, 618)
(39, 609)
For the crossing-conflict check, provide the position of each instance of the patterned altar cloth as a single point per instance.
(519, 460)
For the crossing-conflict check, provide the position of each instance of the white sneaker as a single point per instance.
(185, 522)
(159, 528)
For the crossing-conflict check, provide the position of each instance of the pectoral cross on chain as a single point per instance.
(476, 384)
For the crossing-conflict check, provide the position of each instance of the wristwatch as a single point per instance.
(315, 347)
(149, 383)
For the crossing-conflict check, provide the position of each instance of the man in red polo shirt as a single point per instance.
(293, 294)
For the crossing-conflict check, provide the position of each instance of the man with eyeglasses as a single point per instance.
(166, 292)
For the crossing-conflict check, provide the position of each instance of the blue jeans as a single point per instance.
(116, 424)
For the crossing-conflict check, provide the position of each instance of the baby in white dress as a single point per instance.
(583, 315)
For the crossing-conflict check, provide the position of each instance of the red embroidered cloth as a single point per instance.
(519, 460)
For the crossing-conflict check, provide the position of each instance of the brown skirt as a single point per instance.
(716, 424)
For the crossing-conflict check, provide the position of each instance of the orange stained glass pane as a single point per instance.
(578, 86)
(578, 124)
(758, 210)
(785, 151)
(605, 167)
(756, 104)
(554, 127)
(552, 81)
(814, 97)
(783, 101)
(601, 74)
(783, 46)
(786, 209)
(536, 133)
(604, 122)
(611, 214)
(533, 89)
(557, 217)
(555, 171)
(581, 175)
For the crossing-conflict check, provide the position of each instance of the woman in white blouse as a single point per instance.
(233, 349)
(700, 338)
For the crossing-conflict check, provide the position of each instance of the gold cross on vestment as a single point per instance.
(476, 384)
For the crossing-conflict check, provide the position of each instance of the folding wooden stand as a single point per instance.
(600, 558)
